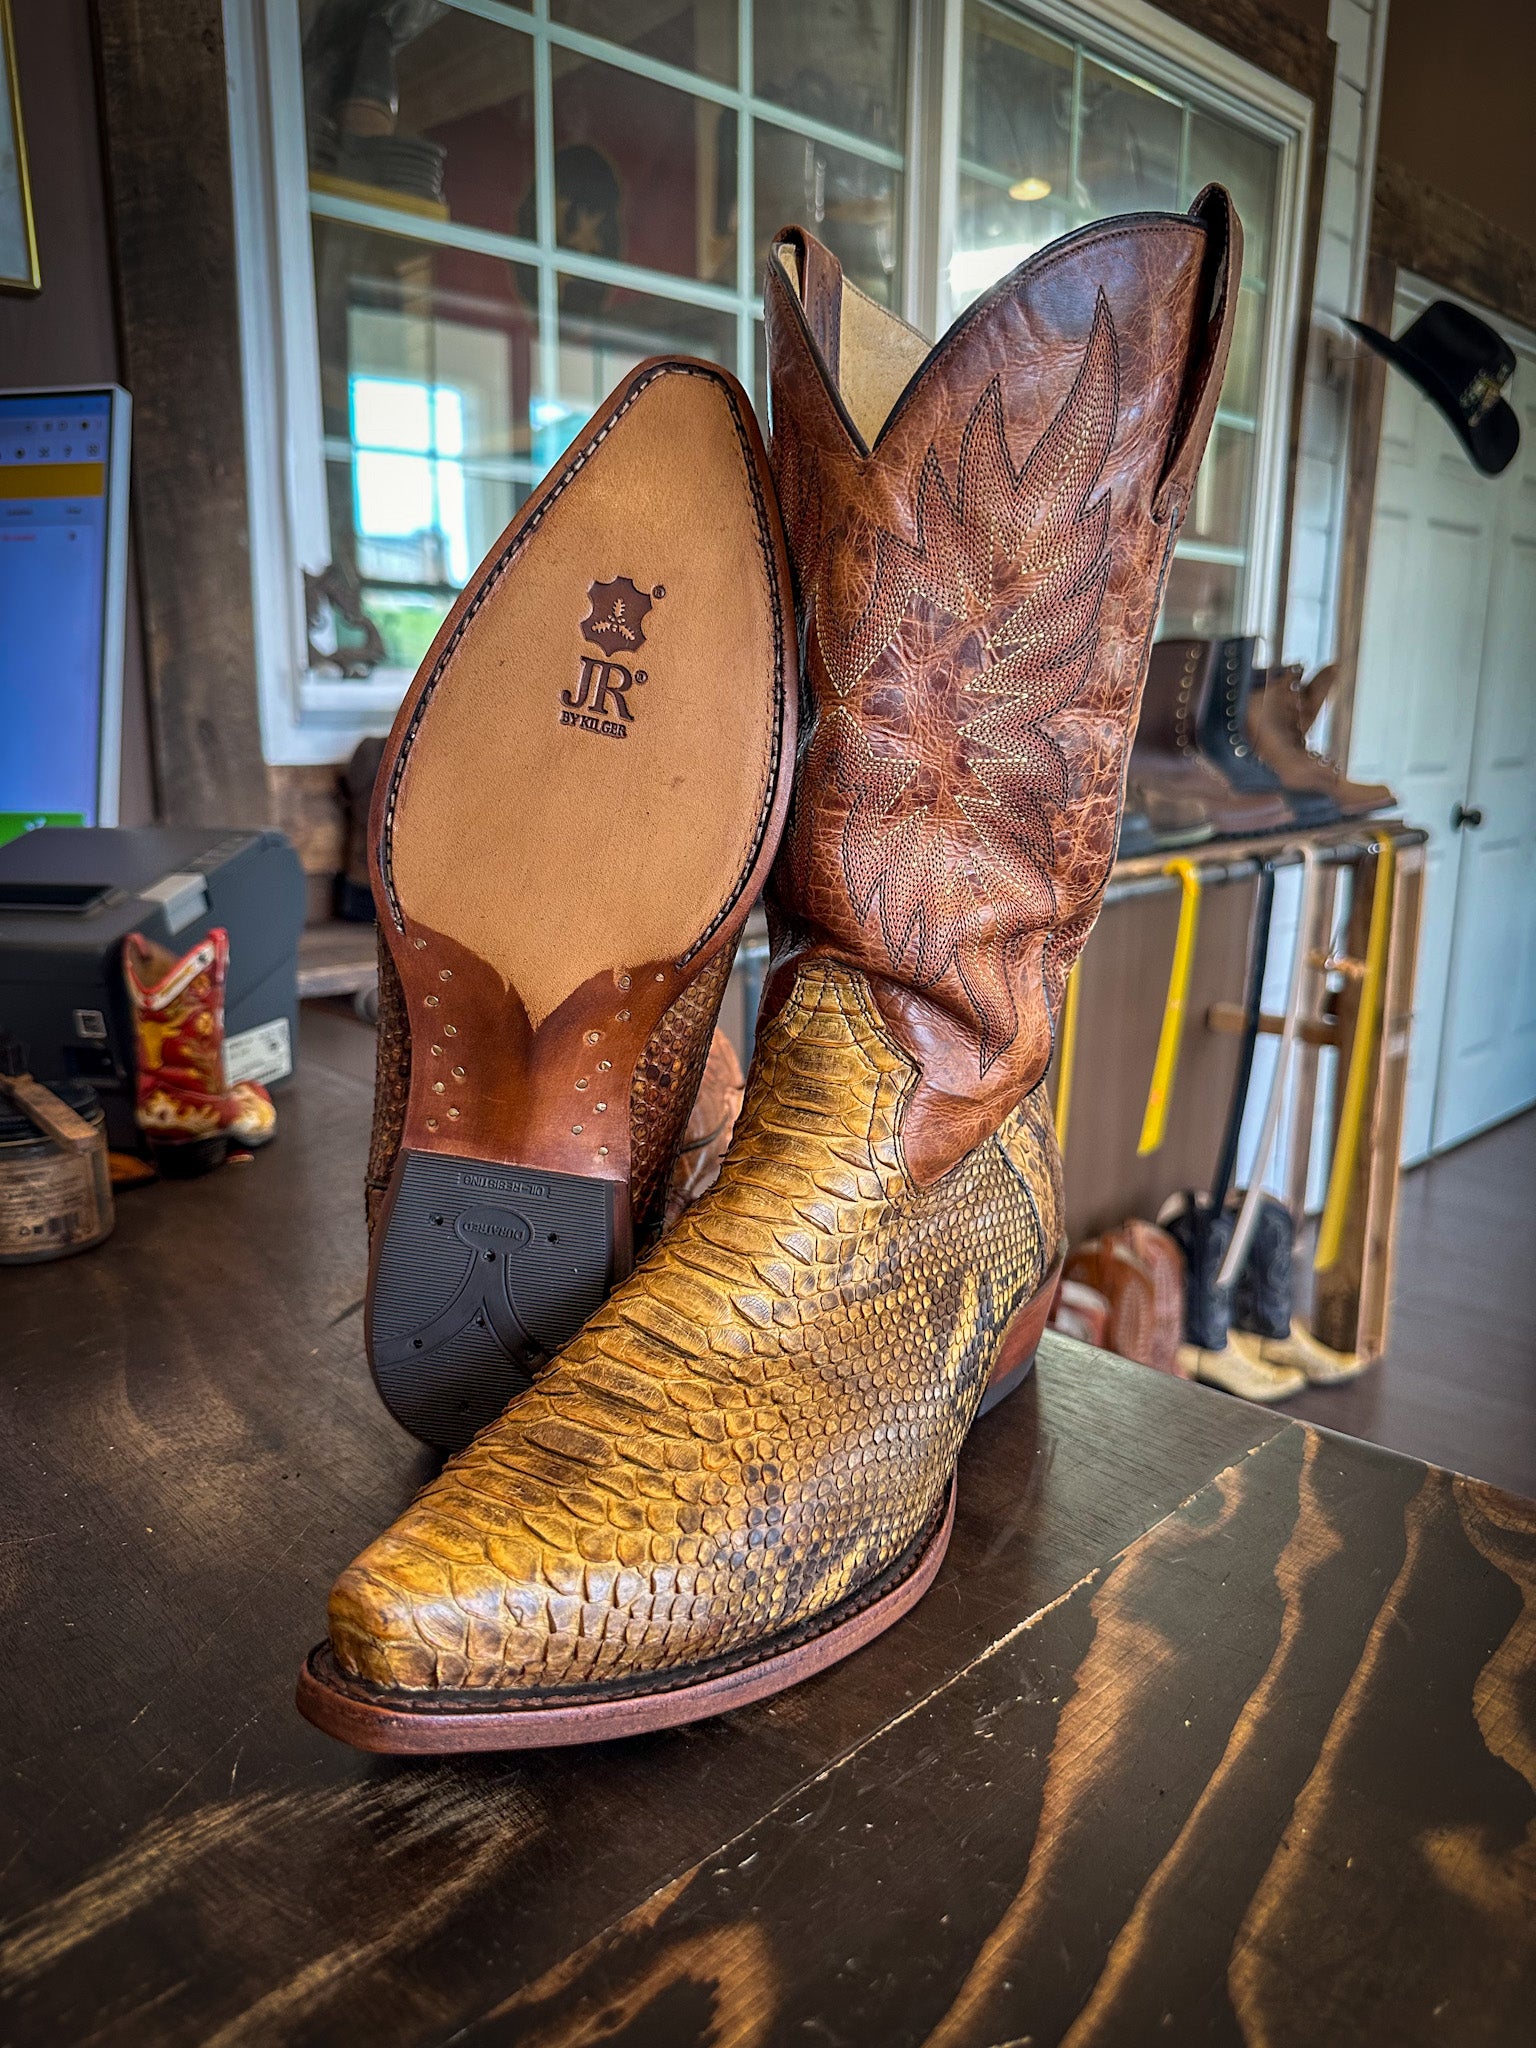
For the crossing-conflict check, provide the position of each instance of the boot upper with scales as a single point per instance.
(766, 1412)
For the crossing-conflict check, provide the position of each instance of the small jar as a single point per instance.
(52, 1201)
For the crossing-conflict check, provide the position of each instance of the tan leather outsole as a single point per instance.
(368, 1717)
(572, 817)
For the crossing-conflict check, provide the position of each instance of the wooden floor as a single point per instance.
(1459, 1385)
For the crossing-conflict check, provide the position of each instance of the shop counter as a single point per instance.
(1213, 1727)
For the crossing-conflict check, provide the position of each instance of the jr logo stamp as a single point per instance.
(601, 701)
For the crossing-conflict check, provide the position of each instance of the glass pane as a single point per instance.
(435, 120)
(1128, 150)
(643, 173)
(839, 61)
(1247, 165)
(853, 205)
(1200, 601)
(698, 37)
(415, 526)
(1218, 510)
(604, 333)
(425, 367)
(1015, 149)
(1240, 391)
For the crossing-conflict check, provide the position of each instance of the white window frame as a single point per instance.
(308, 716)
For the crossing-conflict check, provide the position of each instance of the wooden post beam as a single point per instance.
(171, 220)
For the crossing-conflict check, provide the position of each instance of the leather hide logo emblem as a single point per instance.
(601, 699)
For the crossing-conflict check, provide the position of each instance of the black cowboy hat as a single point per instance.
(1463, 365)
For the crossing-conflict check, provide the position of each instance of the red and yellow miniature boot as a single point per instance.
(187, 1111)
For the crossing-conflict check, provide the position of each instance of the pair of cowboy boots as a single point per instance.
(742, 1465)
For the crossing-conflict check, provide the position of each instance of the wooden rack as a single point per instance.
(1352, 1298)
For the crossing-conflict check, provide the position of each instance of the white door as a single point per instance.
(1421, 650)
(1488, 1054)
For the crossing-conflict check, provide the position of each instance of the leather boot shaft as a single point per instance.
(979, 535)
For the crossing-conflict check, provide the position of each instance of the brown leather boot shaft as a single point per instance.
(977, 587)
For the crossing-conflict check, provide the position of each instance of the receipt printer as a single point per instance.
(70, 895)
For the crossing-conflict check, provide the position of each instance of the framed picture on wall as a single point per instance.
(18, 238)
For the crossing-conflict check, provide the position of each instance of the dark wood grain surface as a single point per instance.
(1214, 1727)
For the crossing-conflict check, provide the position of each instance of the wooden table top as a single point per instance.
(1214, 1727)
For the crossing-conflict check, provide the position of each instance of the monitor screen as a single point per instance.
(63, 568)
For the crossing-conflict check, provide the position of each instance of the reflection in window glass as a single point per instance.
(451, 380)
(644, 174)
(601, 344)
(421, 109)
(848, 202)
(1128, 144)
(1014, 192)
(699, 37)
(1053, 137)
(425, 369)
(1223, 154)
(842, 62)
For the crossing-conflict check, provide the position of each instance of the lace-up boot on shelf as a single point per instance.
(1281, 714)
(743, 1468)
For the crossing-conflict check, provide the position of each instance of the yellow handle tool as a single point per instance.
(1066, 1054)
(1154, 1124)
(1346, 1151)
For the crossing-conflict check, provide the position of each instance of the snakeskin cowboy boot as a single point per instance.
(570, 821)
(744, 1466)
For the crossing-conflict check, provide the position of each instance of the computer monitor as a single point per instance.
(63, 589)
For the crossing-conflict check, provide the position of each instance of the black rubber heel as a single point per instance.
(483, 1272)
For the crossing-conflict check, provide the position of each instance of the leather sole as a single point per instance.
(572, 817)
(374, 1718)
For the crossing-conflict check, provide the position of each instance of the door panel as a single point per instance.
(1415, 705)
(1488, 1059)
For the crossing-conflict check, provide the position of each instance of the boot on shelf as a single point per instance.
(1227, 744)
(1156, 823)
(571, 820)
(1167, 758)
(744, 1466)
(1139, 1270)
(188, 1114)
(1281, 713)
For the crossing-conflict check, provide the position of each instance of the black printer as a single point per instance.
(70, 895)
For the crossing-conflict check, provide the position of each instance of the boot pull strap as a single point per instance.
(1214, 211)
(818, 277)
